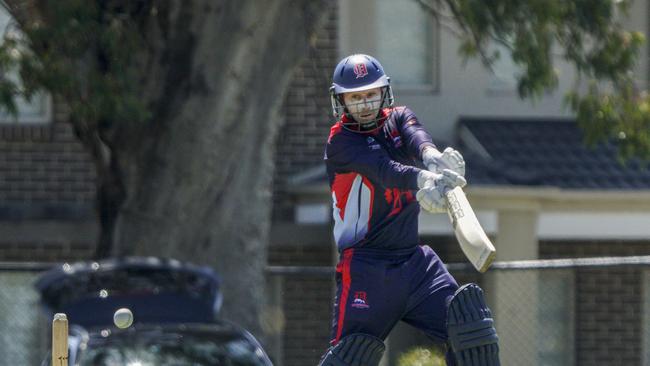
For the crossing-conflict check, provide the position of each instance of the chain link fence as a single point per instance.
(534, 315)
(24, 330)
(586, 311)
(589, 311)
(568, 312)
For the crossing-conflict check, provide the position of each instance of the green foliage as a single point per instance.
(588, 35)
(82, 51)
(422, 357)
(87, 51)
(622, 117)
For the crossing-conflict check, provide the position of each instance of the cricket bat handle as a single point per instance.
(473, 241)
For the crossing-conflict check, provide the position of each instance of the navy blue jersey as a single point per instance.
(373, 176)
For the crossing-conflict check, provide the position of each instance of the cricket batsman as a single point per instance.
(375, 158)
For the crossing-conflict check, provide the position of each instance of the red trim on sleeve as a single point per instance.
(344, 268)
(336, 128)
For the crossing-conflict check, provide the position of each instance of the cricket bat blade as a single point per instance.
(477, 247)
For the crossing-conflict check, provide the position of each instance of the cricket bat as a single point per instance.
(470, 235)
(60, 340)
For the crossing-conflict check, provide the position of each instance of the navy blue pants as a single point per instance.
(376, 289)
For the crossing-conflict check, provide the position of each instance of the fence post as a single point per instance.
(275, 319)
(515, 320)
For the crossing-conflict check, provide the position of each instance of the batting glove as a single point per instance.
(435, 161)
(433, 187)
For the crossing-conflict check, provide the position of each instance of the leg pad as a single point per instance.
(470, 327)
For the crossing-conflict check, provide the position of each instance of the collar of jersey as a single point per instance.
(385, 112)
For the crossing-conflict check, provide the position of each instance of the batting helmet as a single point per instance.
(358, 73)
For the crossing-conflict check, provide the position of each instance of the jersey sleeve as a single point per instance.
(345, 154)
(415, 137)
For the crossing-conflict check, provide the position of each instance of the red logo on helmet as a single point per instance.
(360, 70)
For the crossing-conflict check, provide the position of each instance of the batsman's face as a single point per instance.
(363, 105)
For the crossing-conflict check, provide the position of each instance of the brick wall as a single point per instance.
(595, 248)
(45, 174)
(62, 250)
(307, 303)
(307, 300)
(43, 164)
(608, 302)
(308, 115)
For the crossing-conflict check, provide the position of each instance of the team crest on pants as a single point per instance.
(360, 300)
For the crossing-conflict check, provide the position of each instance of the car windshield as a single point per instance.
(176, 350)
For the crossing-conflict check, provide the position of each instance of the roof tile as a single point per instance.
(545, 153)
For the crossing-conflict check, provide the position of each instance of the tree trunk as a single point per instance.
(198, 176)
(110, 197)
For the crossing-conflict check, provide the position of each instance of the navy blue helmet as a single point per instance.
(357, 73)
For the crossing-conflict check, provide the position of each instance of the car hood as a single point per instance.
(218, 338)
(156, 290)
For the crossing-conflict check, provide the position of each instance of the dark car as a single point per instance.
(175, 307)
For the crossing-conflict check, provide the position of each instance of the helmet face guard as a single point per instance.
(339, 109)
(357, 73)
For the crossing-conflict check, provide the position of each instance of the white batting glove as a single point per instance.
(427, 178)
(446, 177)
(431, 200)
(435, 161)
(433, 187)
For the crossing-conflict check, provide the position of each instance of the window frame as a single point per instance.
(358, 19)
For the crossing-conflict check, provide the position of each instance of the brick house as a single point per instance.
(47, 185)
(46, 189)
(538, 191)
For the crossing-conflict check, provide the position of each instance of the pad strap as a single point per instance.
(355, 350)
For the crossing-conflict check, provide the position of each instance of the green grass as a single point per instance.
(422, 357)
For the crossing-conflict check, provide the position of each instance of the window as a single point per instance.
(38, 109)
(405, 43)
(400, 33)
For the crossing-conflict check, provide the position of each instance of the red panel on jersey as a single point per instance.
(341, 188)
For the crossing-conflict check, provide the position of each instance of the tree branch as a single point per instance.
(442, 18)
(485, 58)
